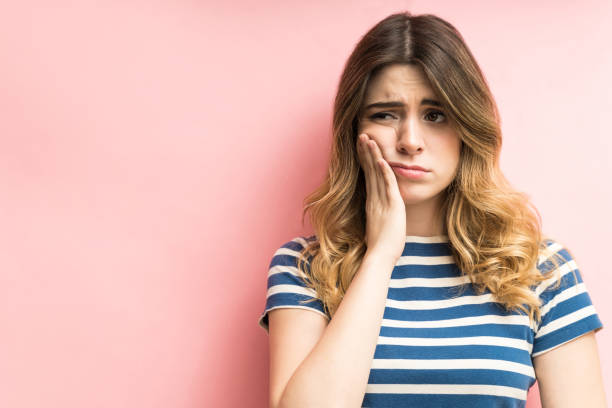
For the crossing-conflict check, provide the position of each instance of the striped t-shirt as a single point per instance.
(441, 347)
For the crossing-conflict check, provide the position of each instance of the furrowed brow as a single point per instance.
(400, 104)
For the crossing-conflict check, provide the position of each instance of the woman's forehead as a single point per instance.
(397, 82)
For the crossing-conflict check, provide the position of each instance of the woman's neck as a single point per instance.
(425, 219)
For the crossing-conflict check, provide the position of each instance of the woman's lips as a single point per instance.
(413, 174)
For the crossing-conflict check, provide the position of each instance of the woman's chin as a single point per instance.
(411, 198)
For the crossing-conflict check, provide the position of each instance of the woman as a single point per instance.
(429, 277)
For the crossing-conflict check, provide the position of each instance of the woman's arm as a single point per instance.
(335, 373)
(570, 375)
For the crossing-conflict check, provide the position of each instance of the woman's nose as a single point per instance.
(409, 136)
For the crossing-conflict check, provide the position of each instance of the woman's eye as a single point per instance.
(382, 115)
(437, 115)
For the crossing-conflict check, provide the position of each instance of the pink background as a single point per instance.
(153, 155)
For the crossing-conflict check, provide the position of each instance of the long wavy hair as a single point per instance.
(494, 231)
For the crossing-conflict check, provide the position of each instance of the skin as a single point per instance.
(413, 134)
(570, 375)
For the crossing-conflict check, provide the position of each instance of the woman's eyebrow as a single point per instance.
(400, 104)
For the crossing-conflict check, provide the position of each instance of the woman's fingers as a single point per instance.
(369, 165)
(380, 179)
(376, 156)
(387, 181)
(390, 180)
(392, 188)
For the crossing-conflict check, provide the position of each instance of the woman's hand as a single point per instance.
(385, 208)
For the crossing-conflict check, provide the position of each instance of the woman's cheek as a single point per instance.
(378, 131)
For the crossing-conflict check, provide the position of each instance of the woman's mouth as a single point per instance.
(410, 173)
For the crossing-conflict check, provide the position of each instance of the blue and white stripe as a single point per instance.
(440, 347)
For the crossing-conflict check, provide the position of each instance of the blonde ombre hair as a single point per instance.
(493, 230)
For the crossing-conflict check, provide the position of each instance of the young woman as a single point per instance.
(428, 282)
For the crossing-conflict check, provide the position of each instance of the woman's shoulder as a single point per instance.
(298, 242)
(557, 261)
(567, 310)
(289, 251)
(553, 250)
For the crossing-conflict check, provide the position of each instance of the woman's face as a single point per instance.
(400, 114)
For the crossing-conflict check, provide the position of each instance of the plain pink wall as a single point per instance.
(154, 154)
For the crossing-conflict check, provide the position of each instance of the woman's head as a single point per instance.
(402, 56)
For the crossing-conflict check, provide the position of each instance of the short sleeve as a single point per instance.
(567, 311)
(285, 286)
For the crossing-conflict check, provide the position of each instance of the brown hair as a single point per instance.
(494, 231)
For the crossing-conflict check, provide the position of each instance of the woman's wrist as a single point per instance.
(379, 257)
